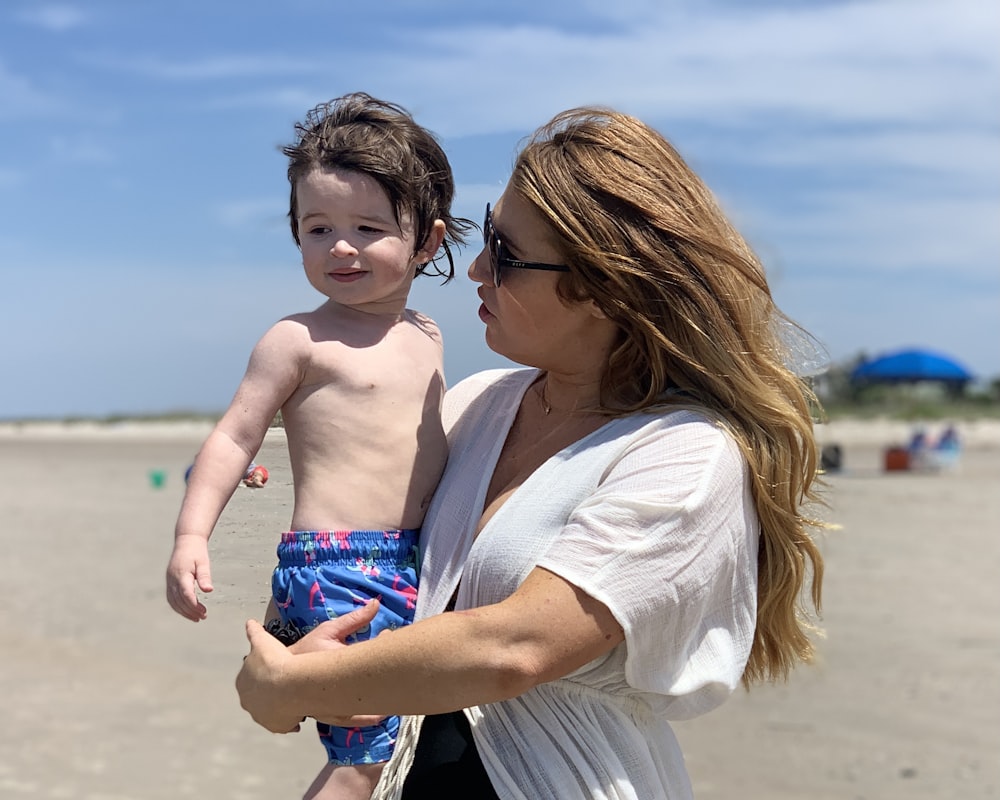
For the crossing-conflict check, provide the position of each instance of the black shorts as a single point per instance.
(446, 765)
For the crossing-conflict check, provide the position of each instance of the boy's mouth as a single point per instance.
(346, 276)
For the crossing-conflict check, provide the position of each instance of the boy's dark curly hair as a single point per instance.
(361, 133)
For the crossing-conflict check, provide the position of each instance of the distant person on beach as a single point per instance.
(359, 382)
(948, 448)
(949, 438)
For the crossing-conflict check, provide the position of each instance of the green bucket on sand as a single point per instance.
(157, 478)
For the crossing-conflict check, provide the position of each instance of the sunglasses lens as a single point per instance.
(495, 259)
(491, 242)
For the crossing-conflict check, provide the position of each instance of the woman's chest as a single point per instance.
(529, 445)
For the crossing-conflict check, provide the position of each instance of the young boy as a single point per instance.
(359, 383)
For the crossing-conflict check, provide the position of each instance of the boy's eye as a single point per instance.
(369, 229)
(318, 230)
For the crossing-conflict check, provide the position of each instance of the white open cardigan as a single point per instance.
(652, 515)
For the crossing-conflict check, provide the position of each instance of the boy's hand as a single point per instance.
(187, 573)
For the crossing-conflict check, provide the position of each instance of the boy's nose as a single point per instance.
(342, 248)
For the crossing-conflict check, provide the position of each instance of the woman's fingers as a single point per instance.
(332, 634)
(255, 682)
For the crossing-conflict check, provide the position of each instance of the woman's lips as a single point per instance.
(484, 311)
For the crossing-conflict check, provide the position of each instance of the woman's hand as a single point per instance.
(330, 635)
(261, 681)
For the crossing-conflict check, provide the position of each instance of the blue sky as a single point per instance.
(143, 242)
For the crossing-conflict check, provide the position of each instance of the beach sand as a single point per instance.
(109, 695)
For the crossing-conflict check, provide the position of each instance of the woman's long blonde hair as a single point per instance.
(646, 240)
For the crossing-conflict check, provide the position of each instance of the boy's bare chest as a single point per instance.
(390, 366)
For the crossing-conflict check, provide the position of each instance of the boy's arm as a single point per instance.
(275, 370)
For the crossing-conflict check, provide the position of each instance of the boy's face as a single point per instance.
(353, 250)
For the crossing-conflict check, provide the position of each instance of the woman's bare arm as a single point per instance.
(545, 630)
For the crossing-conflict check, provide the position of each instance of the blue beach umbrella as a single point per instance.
(911, 366)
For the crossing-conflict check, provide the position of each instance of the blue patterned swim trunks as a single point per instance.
(322, 575)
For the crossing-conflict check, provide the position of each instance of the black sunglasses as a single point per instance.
(500, 257)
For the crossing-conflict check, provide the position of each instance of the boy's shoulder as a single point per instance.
(290, 326)
(325, 324)
(297, 333)
(307, 317)
(424, 324)
(326, 321)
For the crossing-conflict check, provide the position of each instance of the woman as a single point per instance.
(619, 537)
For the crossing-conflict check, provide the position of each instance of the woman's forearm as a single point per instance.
(545, 630)
(441, 664)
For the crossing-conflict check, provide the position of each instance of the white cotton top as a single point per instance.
(651, 515)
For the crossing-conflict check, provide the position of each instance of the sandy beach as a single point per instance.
(108, 695)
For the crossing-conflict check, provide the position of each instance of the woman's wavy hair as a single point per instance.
(361, 133)
(645, 239)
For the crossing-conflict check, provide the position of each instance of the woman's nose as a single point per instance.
(479, 269)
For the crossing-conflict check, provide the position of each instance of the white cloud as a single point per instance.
(885, 62)
(56, 18)
(21, 98)
(80, 150)
(293, 100)
(10, 178)
(270, 214)
(206, 69)
(876, 231)
(894, 61)
(951, 151)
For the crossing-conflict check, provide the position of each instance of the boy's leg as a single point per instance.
(272, 612)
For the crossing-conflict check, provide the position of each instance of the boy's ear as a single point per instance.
(432, 243)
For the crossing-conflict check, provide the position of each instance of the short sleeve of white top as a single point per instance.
(651, 515)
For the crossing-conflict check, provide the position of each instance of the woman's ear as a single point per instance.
(595, 310)
(432, 243)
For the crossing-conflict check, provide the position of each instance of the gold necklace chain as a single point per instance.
(546, 405)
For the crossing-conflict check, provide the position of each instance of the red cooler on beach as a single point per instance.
(897, 459)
